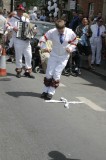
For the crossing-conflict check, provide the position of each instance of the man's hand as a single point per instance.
(15, 29)
(69, 51)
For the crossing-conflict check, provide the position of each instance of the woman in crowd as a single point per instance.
(83, 33)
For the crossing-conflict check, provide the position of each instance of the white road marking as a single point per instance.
(61, 85)
(91, 104)
(63, 100)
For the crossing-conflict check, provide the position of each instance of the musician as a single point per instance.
(63, 44)
(21, 46)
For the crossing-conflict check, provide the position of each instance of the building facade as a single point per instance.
(89, 7)
(5, 4)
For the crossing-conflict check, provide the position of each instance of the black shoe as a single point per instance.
(9, 60)
(49, 96)
(98, 65)
(43, 95)
(27, 74)
(92, 64)
(18, 75)
(91, 68)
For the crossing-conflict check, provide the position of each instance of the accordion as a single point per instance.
(25, 30)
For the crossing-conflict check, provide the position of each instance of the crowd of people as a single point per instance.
(68, 39)
(91, 33)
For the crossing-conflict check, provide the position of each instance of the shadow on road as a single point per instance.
(18, 94)
(55, 155)
(98, 81)
(10, 74)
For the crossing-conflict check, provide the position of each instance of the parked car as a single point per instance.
(42, 27)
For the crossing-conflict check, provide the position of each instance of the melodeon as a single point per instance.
(25, 30)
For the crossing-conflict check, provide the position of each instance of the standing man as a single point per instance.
(21, 46)
(76, 20)
(2, 28)
(63, 44)
(33, 16)
(98, 31)
(5, 13)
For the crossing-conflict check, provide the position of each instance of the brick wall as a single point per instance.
(98, 5)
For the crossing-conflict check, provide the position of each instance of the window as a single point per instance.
(91, 9)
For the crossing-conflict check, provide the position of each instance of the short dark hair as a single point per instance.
(60, 24)
(99, 18)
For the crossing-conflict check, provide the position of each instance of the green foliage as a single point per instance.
(31, 2)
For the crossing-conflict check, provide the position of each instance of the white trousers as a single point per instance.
(96, 47)
(55, 67)
(20, 50)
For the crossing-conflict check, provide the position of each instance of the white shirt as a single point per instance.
(2, 24)
(70, 41)
(13, 23)
(94, 29)
(33, 16)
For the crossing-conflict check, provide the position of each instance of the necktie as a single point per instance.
(98, 32)
(61, 38)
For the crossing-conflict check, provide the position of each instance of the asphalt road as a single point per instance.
(32, 129)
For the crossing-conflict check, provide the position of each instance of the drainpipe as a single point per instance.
(104, 10)
(12, 5)
(60, 8)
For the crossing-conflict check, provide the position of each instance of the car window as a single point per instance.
(43, 28)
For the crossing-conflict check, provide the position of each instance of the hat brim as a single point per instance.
(18, 9)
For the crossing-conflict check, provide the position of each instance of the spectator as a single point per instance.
(91, 20)
(51, 19)
(43, 17)
(9, 39)
(5, 13)
(33, 16)
(65, 18)
(96, 17)
(77, 19)
(84, 44)
(2, 29)
(97, 30)
(45, 52)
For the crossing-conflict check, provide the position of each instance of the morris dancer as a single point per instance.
(22, 47)
(63, 44)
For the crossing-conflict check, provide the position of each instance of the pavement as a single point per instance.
(100, 71)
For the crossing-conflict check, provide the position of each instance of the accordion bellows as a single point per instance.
(25, 30)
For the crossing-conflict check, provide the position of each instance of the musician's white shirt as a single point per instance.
(13, 23)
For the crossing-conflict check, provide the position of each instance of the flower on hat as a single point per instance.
(20, 7)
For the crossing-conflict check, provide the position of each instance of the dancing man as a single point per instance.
(63, 44)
